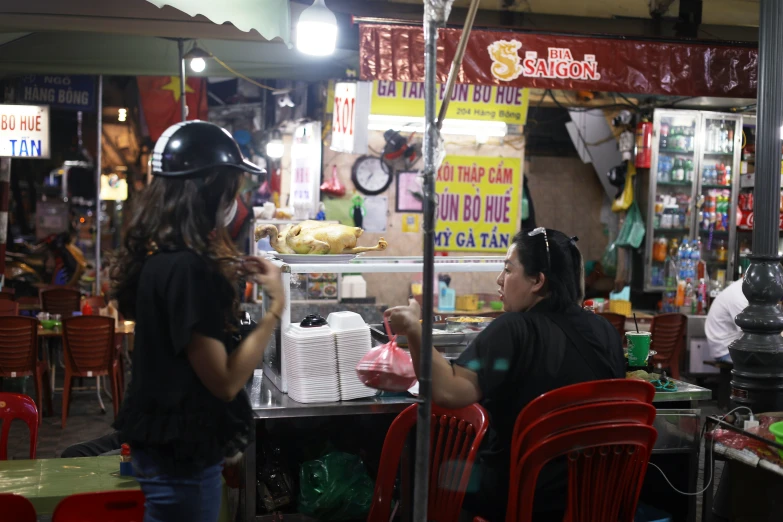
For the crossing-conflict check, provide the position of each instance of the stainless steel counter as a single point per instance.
(685, 392)
(270, 403)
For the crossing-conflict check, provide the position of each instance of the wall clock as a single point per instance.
(371, 176)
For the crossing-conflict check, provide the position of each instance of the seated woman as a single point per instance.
(544, 341)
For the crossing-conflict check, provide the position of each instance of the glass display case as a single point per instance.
(693, 187)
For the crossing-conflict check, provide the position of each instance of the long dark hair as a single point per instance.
(177, 214)
(563, 268)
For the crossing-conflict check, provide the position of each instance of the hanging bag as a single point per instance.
(387, 367)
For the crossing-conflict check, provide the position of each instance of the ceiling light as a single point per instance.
(197, 58)
(316, 31)
(274, 147)
(122, 115)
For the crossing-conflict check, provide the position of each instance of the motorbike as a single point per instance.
(53, 261)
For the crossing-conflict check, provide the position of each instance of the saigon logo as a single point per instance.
(559, 63)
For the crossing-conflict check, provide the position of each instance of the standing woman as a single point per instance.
(544, 341)
(186, 410)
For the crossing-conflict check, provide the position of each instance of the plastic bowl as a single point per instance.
(496, 305)
(341, 321)
(777, 430)
(50, 324)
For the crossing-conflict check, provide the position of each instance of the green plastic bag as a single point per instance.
(335, 487)
(632, 233)
(609, 260)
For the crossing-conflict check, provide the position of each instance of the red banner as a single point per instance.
(393, 52)
(160, 97)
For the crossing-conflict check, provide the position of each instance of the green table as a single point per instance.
(45, 482)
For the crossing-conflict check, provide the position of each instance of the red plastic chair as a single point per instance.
(606, 468)
(455, 439)
(16, 508)
(577, 394)
(63, 301)
(586, 415)
(17, 406)
(668, 340)
(19, 357)
(577, 417)
(616, 320)
(89, 351)
(105, 506)
(8, 307)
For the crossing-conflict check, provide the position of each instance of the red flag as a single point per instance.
(160, 97)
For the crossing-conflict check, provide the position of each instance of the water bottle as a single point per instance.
(696, 251)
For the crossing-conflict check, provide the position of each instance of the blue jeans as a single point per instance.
(178, 499)
(725, 358)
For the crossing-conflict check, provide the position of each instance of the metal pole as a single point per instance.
(98, 155)
(757, 378)
(436, 12)
(5, 194)
(457, 63)
(183, 103)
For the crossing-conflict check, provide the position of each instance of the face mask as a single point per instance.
(230, 214)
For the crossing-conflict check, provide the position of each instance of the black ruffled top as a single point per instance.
(168, 412)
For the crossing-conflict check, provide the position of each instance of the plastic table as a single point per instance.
(45, 482)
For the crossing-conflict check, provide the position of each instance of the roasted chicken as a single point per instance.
(316, 237)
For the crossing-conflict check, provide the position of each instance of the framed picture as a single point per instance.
(408, 183)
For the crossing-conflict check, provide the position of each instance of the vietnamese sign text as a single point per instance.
(478, 203)
(24, 131)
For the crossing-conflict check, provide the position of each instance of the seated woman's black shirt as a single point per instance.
(168, 412)
(517, 358)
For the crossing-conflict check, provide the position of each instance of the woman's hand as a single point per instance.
(264, 273)
(404, 319)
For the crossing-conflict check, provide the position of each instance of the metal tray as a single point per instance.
(442, 339)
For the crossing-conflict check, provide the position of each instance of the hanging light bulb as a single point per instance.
(316, 31)
(274, 147)
(198, 64)
(196, 57)
(122, 115)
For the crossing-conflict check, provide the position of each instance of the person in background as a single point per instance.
(186, 412)
(544, 341)
(720, 328)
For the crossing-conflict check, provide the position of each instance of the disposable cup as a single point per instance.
(638, 348)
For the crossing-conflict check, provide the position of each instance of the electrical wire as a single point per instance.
(237, 73)
(712, 461)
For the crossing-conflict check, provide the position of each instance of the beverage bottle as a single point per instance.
(681, 255)
(701, 297)
(723, 137)
(664, 144)
(696, 251)
(688, 304)
(126, 468)
(679, 301)
(678, 172)
(711, 135)
(669, 282)
(689, 170)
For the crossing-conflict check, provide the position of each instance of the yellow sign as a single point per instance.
(468, 102)
(410, 223)
(478, 203)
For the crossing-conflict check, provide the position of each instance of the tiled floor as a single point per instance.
(85, 422)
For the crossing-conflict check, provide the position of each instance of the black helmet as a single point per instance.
(191, 149)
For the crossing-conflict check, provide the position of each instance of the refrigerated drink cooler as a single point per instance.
(693, 189)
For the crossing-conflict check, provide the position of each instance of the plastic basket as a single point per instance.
(620, 307)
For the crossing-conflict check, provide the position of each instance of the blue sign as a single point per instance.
(71, 92)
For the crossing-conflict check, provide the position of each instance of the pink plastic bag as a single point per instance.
(387, 367)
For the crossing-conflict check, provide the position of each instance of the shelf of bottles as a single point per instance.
(714, 201)
(673, 178)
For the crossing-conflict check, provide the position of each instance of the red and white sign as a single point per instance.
(305, 186)
(350, 117)
(24, 131)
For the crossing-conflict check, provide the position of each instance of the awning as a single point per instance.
(549, 61)
(134, 37)
(111, 54)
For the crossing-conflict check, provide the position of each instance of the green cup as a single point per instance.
(638, 348)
